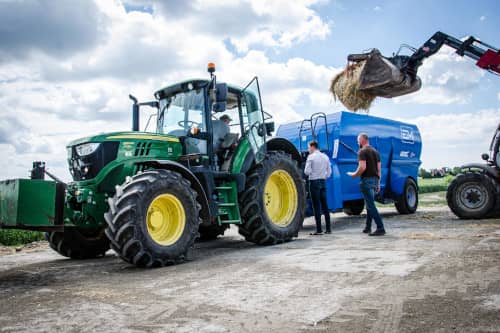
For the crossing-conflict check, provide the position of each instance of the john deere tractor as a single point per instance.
(148, 196)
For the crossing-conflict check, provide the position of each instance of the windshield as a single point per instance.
(182, 111)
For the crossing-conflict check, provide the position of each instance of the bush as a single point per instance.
(19, 237)
(448, 179)
(432, 188)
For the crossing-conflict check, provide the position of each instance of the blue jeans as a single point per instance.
(317, 190)
(368, 188)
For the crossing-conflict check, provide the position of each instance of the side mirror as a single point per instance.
(485, 157)
(260, 130)
(220, 97)
(220, 92)
(219, 107)
(269, 128)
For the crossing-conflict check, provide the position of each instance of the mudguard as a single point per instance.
(489, 170)
(186, 173)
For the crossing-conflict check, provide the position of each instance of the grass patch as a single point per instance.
(432, 199)
(10, 237)
(431, 185)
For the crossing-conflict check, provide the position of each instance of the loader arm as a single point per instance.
(487, 56)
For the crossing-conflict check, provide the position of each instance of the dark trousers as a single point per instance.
(317, 190)
(368, 188)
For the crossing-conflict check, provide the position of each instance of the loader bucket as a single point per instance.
(384, 78)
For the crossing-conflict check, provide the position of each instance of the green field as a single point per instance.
(431, 185)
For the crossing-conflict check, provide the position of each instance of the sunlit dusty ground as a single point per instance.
(431, 273)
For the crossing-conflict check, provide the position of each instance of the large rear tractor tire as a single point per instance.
(153, 218)
(273, 202)
(212, 232)
(471, 195)
(354, 207)
(407, 202)
(77, 243)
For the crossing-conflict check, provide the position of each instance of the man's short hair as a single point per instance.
(364, 136)
(313, 144)
(225, 117)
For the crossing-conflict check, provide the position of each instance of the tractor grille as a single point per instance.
(142, 148)
(88, 166)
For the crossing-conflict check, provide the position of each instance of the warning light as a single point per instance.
(211, 67)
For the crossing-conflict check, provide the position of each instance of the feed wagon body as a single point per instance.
(399, 145)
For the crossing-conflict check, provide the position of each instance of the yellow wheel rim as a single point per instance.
(166, 219)
(280, 198)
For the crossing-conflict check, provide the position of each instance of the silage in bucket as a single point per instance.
(345, 88)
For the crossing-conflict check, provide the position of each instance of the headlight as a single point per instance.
(87, 148)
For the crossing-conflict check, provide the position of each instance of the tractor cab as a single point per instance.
(210, 119)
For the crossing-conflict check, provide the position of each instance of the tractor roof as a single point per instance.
(182, 86)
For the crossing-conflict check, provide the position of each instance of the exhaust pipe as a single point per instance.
(135, 114)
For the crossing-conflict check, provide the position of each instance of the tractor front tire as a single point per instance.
(77, 243)
(273, 202)
(354, 207)
(153, 218)
(471, 195)
(407, 202)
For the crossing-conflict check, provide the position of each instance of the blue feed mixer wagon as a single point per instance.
(398, 143)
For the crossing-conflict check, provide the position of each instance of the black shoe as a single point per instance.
(328, 232)
(377, 233)
(316, 233)
(367, 231)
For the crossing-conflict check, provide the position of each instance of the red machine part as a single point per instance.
(490, 60)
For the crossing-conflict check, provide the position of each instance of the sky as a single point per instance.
(67, 67)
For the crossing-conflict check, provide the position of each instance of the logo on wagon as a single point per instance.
(407, 134)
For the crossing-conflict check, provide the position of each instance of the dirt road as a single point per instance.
(431, 273)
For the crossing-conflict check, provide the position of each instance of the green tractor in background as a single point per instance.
(148, 196)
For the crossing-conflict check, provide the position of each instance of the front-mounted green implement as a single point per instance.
(210, 163)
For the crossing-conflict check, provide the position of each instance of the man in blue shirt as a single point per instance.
(318, 169)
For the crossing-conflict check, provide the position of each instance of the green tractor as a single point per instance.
(149, 196)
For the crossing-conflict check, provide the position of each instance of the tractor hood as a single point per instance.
(88, 156)
(120, 136)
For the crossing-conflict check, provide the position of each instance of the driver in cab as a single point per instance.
(221, 129)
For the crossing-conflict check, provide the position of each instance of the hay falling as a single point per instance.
(344, 87)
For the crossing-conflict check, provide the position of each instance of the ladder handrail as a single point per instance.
(301, 129)
(314, 117)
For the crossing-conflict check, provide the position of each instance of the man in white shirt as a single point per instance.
(318, 169)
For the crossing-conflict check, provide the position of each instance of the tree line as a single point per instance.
(438, 172)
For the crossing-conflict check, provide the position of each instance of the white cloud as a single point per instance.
(447, 78)
(52, 100)
(48, 100)
(278, 23)
(498, 96)
(482, 18)
(455, 139)
(377, 8)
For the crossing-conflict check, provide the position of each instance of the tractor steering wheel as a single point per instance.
(187, 123)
